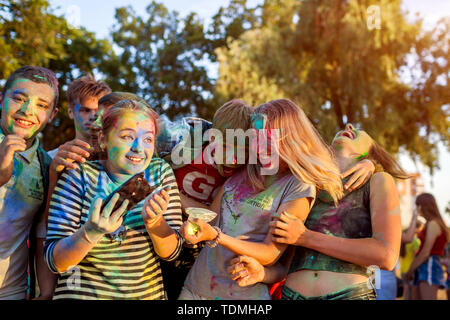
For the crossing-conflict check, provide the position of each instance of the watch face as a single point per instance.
(200, 213)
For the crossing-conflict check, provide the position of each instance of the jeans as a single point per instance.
(388, 286)
(359, 291)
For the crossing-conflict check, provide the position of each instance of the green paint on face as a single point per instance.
(361, 156)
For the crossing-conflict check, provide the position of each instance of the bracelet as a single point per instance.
(213, 243)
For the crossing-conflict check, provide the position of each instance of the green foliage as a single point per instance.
(392, 81)
(340, 71)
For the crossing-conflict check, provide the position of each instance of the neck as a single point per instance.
(116, 176)
(345, 160)
(80, 136)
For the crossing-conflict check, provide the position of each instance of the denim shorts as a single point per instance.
(360, 291)
(431, 272)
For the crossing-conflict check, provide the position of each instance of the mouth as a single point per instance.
(134, 159)
(228, 171)
(23, 123)
(349, 134)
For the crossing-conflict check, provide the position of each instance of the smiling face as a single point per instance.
(83, 115)
(352, 141)
(130, 143)
(26, 108)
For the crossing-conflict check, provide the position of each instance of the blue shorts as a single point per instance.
(431, 272)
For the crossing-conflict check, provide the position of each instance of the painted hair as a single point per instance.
(430, 210)
(300, 147)
(113, 97)
(234, 114)
(116, 111)
(37, 75)
(85, 87)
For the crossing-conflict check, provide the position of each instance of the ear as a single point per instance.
(70, 111)
(53, 114)
(101, 139)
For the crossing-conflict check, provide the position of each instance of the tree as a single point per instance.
(31, 34)
(161, 59)
(323, 55)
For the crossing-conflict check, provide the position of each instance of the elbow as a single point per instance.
(387, 260)
(268, 261)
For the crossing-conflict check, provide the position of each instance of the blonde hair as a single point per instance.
(234, 114)
(301, 147)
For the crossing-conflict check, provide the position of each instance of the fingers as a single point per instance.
(71, 156)
(354, 183)
(162, 202)
(109, 206)
(350, 183)
(149, 212)
(80, 143)
(155, 207)
(95, 211)
(279, 225)
(120, 212)
(349, 171)
(279, 232)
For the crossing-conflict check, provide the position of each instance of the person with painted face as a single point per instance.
(251, 198)
(336, 245)
(114, 253)
(83, 95)
(28, 102)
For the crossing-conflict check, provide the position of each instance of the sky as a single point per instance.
(98, 16)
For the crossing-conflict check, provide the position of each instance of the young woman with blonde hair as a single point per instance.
(249, 200)
(336, 245)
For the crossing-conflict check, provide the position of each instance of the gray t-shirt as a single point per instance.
(20, 199)
(246, 215)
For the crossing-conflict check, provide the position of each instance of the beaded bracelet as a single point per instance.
(214, 242)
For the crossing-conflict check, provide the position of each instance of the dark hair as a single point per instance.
(35, 74)
(389, 164)
(430, 210)
(85, 87)
(113, 97)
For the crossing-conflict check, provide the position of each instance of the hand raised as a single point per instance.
(102, 222)
(10, 145)
(72, 151)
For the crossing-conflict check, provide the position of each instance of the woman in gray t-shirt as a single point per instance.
(298, 162)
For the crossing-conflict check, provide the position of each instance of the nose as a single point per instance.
(136, 146)
(26, 108)
(349, 126)
(92, 115)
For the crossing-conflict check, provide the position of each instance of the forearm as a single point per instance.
(70, 251)
(164, 238)
(364, 251)
(418, 260)
(266, 254)
(46, 279)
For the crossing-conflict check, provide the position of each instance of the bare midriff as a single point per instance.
(312, 283)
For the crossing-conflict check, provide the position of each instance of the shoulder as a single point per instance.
(382, 181)
(434, 227)
(299, 184)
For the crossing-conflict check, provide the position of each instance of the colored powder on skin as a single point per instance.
(213, 283)
(362, 156)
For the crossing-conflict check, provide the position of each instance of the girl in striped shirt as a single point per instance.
(114, 254)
